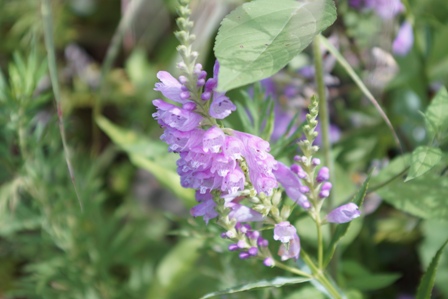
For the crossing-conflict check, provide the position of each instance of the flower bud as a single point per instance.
(323, 175)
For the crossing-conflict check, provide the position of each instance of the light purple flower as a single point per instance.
(344, 213)
(290, 181)
(221, 105)
(284, 232)
(169, 87)
(404, 40)
(385, 9)
(325, 190)
(206, 209)
(291, 250)
(242, 213)
(287, 234)
(213, 140)
(172, 116)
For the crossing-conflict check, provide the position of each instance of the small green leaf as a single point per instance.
(422, 160)
(342, 228)
(276, 282)
(428, 279)
(436, 115)
(259, 38)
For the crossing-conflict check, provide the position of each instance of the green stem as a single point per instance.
(320, 243)
(49, 45)
(324, 118)
(292, 270)
(320, 276)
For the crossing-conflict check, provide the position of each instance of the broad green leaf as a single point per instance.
(259, 38)
(436, 115)
(308, 292)
(342, 228)
(428, 279)
(425, 196)
(422, 160)
(175, 267)
(276, 282)
(150, 155)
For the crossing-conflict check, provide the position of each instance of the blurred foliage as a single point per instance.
(135, 239)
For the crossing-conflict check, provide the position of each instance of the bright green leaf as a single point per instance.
(428, 279)
(276, 282)
(437, 113)
(259, 38)
(422, 160)
(425, 196)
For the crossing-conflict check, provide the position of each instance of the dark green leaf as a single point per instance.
(422, 160)
(276, 282)
(428, 279)
(259, 38)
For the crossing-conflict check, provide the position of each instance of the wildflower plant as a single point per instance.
(237, 181)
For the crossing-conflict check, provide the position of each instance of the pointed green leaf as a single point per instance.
(428, 279)
(424, 196)
(436, 115)
(150, 155)
(259, 38)
(342, 228)
(422, 160)
(276, 282)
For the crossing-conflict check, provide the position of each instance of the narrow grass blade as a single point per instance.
(351, 72)
(49, 45)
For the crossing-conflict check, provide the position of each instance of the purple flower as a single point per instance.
(169, 87)
(172, 116)
(213, 140)
(344, 213)
(242, 213)
(206, 209)
(260, 162)
(385, 9)
(284, 232)
(290, 181)
(287, 234)
(292, 250)
(404, 40)
(221, 105)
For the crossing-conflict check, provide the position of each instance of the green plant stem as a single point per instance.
(49, 45)
(320, 276)
(320, 243)
(324, 118)
(292, 270)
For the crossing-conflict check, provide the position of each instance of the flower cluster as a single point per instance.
(211, 158)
